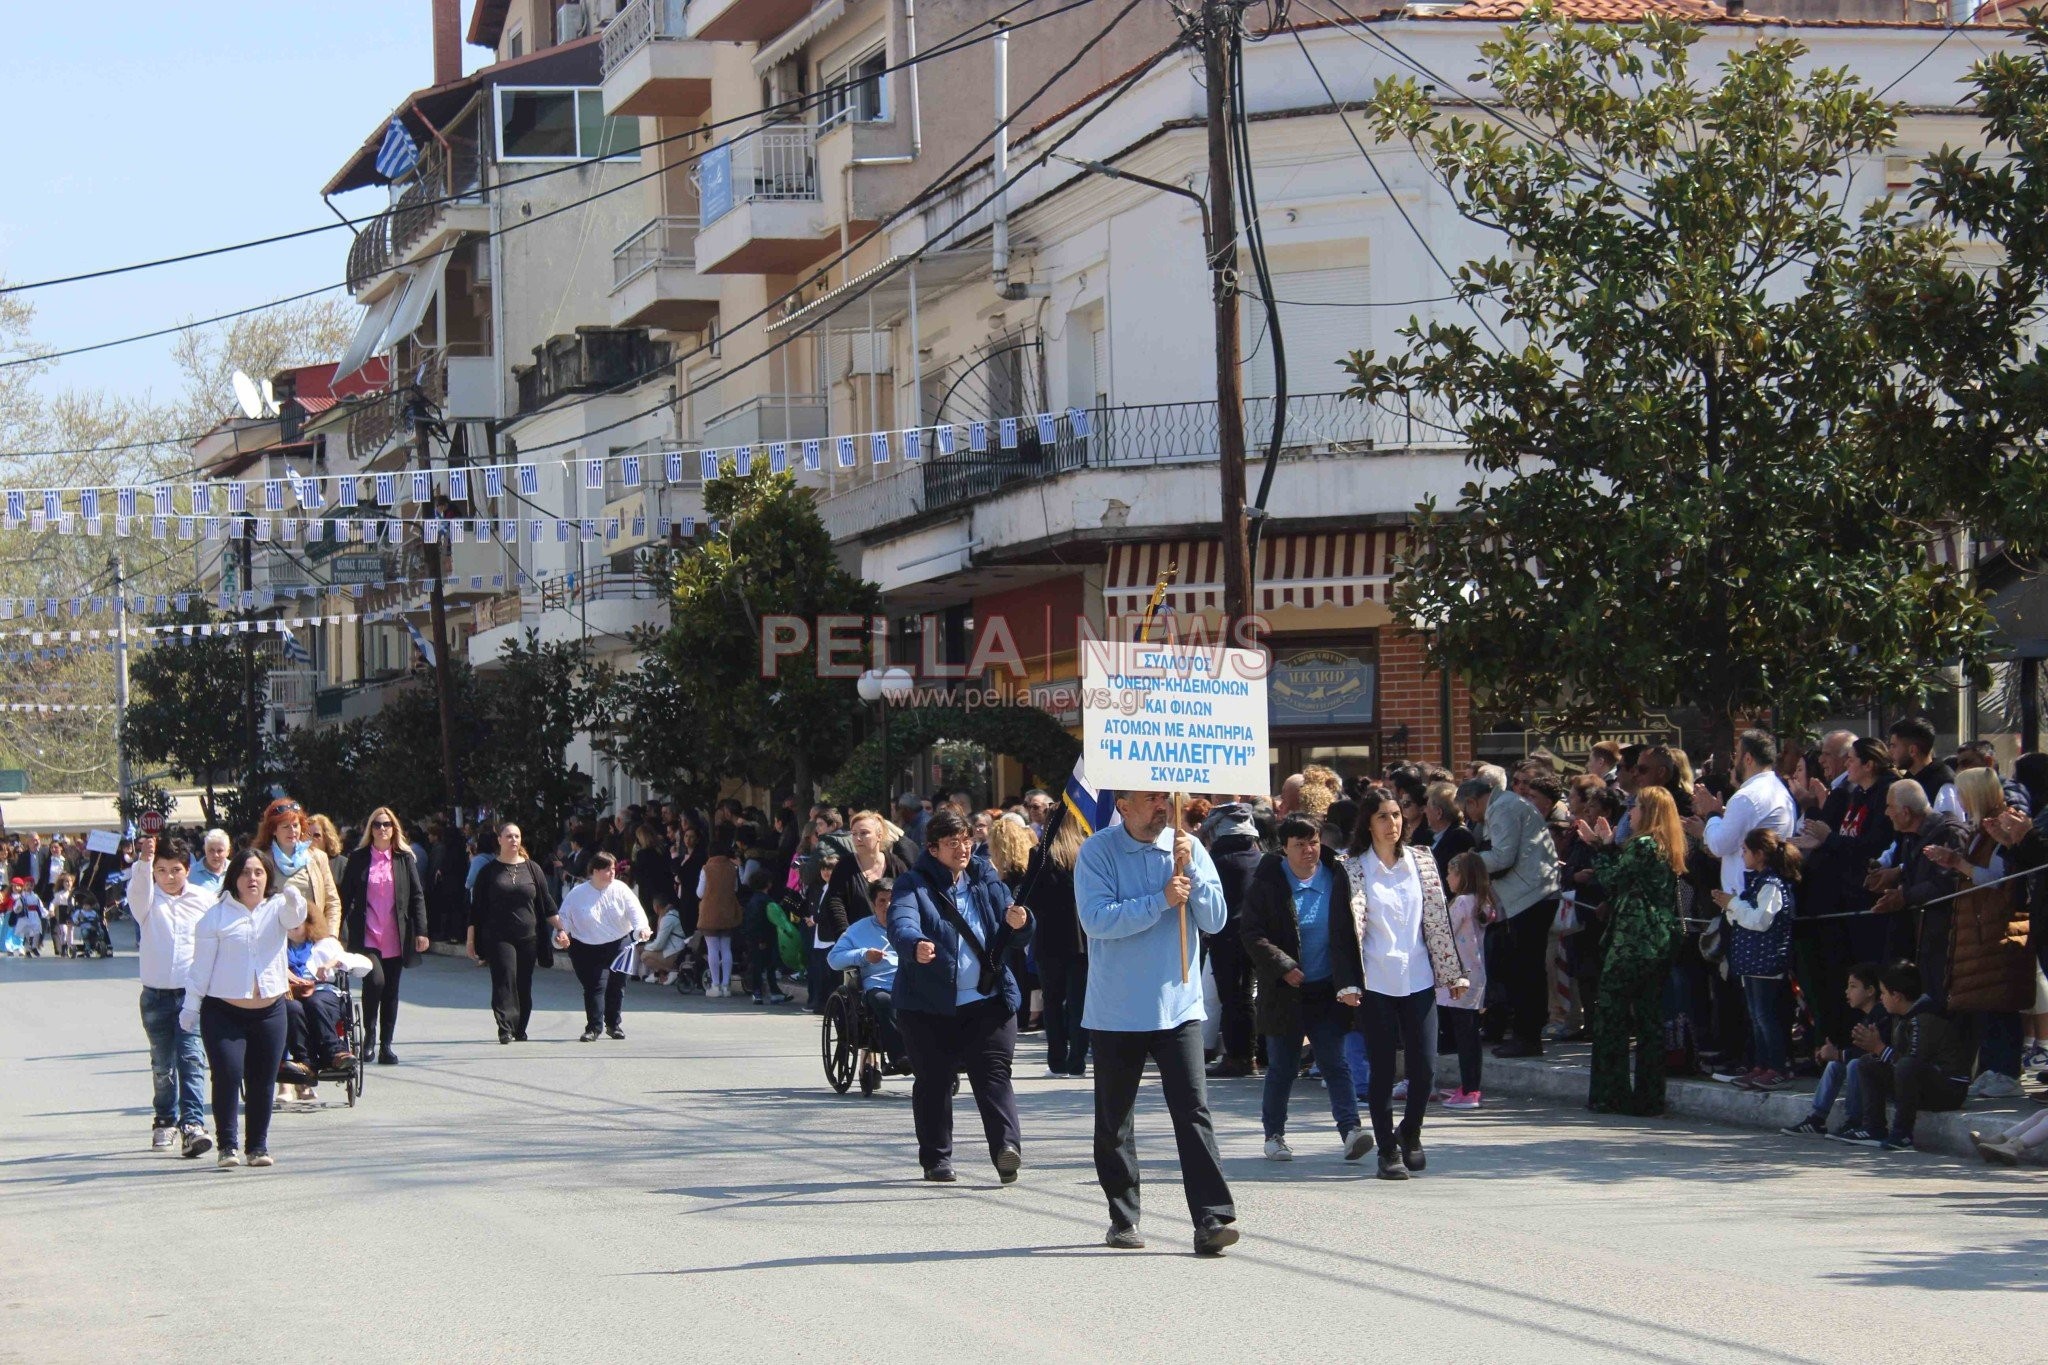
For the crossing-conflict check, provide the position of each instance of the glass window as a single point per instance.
(561, 125)
(855, 92)
(602, 135)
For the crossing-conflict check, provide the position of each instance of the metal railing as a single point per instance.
(369, 254)
(1133, 436)
(776, 163)
(372, 425)
(640, 23)
(671, 240)
(293, 689)
(598, 585)
(591, 359)
(453, 172)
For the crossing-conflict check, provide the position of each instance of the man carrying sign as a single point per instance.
(1136, 885)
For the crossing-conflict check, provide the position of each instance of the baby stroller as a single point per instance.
(689, 968)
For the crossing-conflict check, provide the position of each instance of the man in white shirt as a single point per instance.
(1761, 801)
(166, 908)
(598, 919)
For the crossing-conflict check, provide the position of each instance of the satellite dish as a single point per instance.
(269, 399)
(248, 395)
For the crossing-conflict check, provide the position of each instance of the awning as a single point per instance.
(420, 290)
(888, 285)
(369, 332)
(805, 29)
(1341, 569)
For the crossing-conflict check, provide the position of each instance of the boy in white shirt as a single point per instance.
(166, 909)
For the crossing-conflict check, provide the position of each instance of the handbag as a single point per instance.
(1714, 940)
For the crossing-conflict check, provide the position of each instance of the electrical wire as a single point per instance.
(1241, 151)
(798, 102)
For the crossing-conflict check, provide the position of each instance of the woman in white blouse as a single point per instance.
(234, 997)
(598, 919)
(1404, 929)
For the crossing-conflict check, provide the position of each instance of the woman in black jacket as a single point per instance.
(512, 914)
(383, 917)
(1061, 949)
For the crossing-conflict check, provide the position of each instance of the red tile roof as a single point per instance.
(1585, 11)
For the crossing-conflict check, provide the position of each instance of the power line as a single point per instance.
(796, 102)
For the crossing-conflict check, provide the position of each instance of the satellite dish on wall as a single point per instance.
(248, 395)
(269, 398)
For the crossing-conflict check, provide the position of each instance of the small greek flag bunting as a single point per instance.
(422, 486)
(309, 494)
(977, 436)
(186, 528)
(611, 530)
(743, 460)
(159, 529)
(238, 498)
(162, 494)
(1006, 433)
(124, 505)
(89, 504)
(386, 490)
(508, 530)
(707, 465)
(273, 496)
(53, 504)
(593, 474)
(672, 466)
(778, 457)
(589, 528)
(878, 448)
(945, 438)
(529, 480)
(17, 504)
(394, 531)
(846, 455)
(629, 471)
(1077, 421)
(494, 482)
(913, 444)
(458, 485)
(813, 448)
(1047, 433)
(345, 495)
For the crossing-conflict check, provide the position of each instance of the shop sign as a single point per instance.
(1323, 687)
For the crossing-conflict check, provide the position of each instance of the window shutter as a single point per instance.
(1316, 337)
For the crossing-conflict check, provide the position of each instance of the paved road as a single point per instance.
(695, 1192)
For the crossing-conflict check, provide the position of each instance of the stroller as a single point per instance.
(89, 937)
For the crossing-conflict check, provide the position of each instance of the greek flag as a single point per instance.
(419, 642)
(1096, 810)
(295, 652)
(399, 154)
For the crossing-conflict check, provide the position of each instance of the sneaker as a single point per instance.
(1391, 1167)
(1278, 1150)
(197, 1143)
(1898, 1142)
(1997, 1151)
(228, 1157)
(1810, 1126)
(1213, 1235)
(261, 1159)
(1357, 1143)
(1995, 1085)
(2035, 1057)
(1400, 1090)
(1857, 1136)
(1556, 1033)
(162, 1139)
(1462, 1099)
(1123, 1239)
(1764, 1079)
(1052, 1074)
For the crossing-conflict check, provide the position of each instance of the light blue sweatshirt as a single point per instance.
(1134, 963)
(851, 950)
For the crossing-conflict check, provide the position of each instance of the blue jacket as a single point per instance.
(928, 987)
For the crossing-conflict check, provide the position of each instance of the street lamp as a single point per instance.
(885, 685)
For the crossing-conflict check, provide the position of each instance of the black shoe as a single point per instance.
(1123, 1238)
(504, 1035)
(386, 1057)
(591, 1034)
(941, 1174)
(1519, 1049)
(1391, 1167)
(614, 1031)
(1411, 1155)
(1230, 1067)
(1008, 1161)
(1213, 1235)
(519, 1037)
(1806, 1127)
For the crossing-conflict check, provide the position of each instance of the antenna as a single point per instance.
(248, 395)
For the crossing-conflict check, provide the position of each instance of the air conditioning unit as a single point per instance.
(572, 21)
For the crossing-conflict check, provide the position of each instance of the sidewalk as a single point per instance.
(1563, 1074)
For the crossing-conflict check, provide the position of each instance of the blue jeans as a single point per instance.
(177, 1061)
(1326, 1022)
(1766, 997)
(1361, 1069)
(1843, 1079)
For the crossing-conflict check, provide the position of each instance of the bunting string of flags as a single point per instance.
(305, 506)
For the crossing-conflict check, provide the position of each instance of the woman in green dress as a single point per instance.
(1643, 929)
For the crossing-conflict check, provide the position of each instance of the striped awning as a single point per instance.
(1342, 569)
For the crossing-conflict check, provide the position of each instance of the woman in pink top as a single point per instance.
(383, 917)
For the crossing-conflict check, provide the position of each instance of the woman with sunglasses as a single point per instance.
(383, 917)
(509, 907)
(285, 841)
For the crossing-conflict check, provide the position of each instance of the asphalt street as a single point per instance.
(696, 1192)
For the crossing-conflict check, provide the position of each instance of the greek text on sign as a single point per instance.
(1175, 718)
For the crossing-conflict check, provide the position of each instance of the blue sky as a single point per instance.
(149, 129)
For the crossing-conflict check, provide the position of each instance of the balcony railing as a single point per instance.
(592, 359)
(640, 23)
(778, 163)
(600, 585)
(372, 425)
(445, 174)
(293, 689)
(770, 417)
(665, 241)
(369, 255)
(1123, 437)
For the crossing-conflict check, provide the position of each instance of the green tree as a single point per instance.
(647, 724)
(326, 767)
(404, 767)
(772, 561)
(1701, 473)
(533, 707)
(186, 706)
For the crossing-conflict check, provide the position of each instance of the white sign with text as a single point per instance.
(1175, 718)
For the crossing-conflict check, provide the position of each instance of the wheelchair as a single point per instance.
(851, 1042)
(348, 1030)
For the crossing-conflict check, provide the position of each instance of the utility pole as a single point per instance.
(252, 737)
(121, 677)
(433, 551)
(1219, 21)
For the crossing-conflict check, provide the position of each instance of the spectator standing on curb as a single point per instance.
(1132, 884)
(167, 908)
(1233, 842)
(1521, 858)
(1644, 928)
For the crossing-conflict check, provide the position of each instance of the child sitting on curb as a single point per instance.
(1836, 1078)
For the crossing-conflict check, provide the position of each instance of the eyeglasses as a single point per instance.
(286, 807)
(380, 824)
(957, 841)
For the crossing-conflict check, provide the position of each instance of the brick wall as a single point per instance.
(1411, 694)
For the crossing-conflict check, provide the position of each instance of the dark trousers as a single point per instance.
(1911, 1083)
(887, 1036)
(820, 979)
(1464, 1029)
(1524, 948)
(1234, 977)
(243, 1048)
(1064, 981)
(1119, 1067)
(604, 990)
(310, 1026)
(1631, 1005)
(1495, 1011)
(511, 962)
(380, 999)
(979, 1039)
(1406, 1022)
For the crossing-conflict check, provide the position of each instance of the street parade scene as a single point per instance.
(1139, 677)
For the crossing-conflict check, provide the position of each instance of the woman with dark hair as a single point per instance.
(383, 917)
(691, 851)
(1059, 945)
(508, 910)
(234, 997)
(1404, 929)
(654, 871)
(599, 918)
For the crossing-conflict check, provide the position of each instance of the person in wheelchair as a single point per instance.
(866, 945)
(313, 1009)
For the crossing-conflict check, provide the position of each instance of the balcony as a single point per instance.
(759, 199)
(292, 689)
(589, 361)
(603, 606)
(650, 65)
(744, 21)
(443, 199)
(770, 417)
(655, 281)
(372, 426)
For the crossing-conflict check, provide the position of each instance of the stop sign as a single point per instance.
(151, 823)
